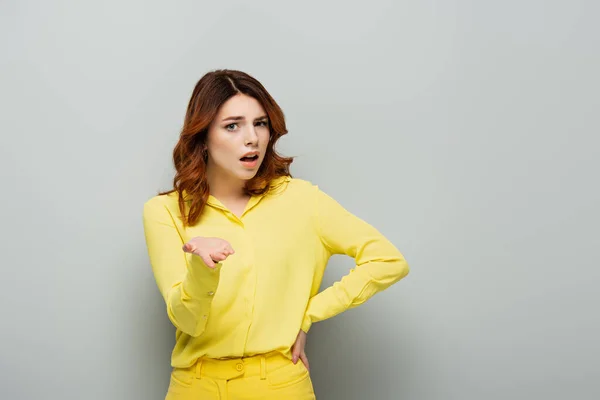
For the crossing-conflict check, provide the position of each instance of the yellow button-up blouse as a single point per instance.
(258, 299)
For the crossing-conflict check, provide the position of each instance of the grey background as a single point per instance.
(466, 131)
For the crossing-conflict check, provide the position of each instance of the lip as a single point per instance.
(251, 153)
(250, 164)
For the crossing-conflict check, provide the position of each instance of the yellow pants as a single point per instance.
(264, 377)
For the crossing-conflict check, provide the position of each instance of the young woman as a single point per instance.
(238, 249)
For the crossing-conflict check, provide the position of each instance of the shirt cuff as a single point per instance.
(201, 281)
(306, 323)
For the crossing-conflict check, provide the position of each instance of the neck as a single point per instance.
(225, 187)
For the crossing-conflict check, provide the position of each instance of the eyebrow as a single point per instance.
(241, 118)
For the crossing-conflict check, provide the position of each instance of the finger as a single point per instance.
(208, 261)
(231, 250)
(304, 360)
(218, 256)
(295, 354)
(226, 250)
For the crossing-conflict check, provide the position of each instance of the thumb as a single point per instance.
(295, 355)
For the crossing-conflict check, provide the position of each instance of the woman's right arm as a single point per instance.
(187, 287)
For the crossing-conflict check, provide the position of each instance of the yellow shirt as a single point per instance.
(258, 299)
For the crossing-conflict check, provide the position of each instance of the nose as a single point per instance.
(251, 138)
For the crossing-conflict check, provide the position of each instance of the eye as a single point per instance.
(230, 127)
(262, 123)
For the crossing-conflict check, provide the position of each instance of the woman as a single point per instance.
(238, 249)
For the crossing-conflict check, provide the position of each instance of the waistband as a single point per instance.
(230, 368)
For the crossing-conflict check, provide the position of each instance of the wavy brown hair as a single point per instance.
(190, 154)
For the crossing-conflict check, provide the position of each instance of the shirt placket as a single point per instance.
(249, 273)
(250, 287)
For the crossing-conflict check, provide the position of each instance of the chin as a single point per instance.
(247, 175)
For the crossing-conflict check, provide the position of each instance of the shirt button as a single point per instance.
(205, 316)
(211, 293)
(239, 366)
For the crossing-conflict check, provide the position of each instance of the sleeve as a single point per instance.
(186, 283)
(379, 264)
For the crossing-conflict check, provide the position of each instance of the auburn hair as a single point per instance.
(190, 155)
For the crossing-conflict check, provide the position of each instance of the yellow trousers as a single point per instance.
(264, 377)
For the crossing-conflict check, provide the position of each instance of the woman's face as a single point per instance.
(241, 128)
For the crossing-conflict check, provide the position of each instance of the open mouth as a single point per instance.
(250, 158)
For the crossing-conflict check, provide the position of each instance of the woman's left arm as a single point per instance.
(379, 264)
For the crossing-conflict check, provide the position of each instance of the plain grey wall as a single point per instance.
(466, 131)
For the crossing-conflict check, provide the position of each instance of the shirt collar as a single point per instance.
(277, 186)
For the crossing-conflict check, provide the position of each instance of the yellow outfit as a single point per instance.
(256, 301)
(265, 377)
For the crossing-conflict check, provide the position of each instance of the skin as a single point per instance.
(227, 141)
